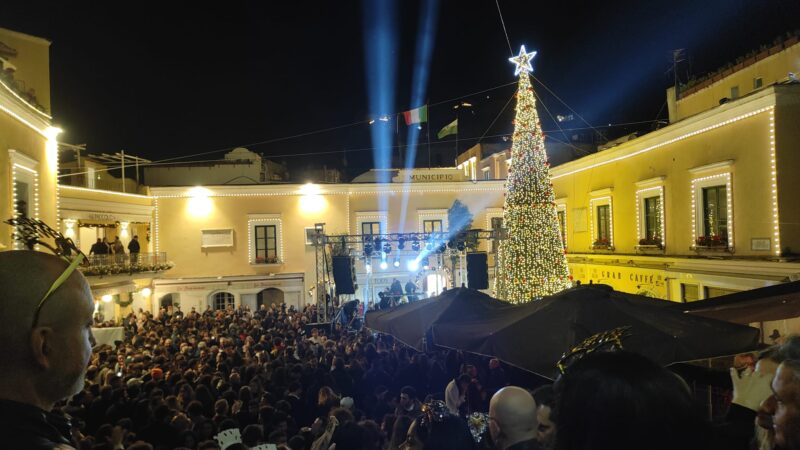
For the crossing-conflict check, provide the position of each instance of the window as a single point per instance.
(266, 244)
(497, 223)
(23, 205)
(689, 292)
(652, 218)
(486, 174)
(717, 292)
(265, 239)
(562, 226)
(758, 82)
(222, 300)
(432, 226)
(735, 92)
(715, 214)
(604, 224)
(371, 228)
(601, 219)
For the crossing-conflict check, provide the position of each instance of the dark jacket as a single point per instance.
(525, 445)
(28, 427)
(133, 246)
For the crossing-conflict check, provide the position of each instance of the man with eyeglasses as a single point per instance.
(46, 335)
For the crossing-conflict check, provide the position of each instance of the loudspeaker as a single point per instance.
(477, 271)
(343, 275)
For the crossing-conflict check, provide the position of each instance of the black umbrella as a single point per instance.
(410, 323)
(535, 336)
(778, 302)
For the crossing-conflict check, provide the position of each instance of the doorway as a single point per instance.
(268, 297)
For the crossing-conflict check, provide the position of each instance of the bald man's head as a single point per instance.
(55, 353)
(513, 416)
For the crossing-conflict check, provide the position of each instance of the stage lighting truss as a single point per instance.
(422, 245)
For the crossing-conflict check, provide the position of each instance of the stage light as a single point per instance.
(425, 264)
(387, 248)
(413, 265)
(367, 250)
(429, 246)
(460, 246)
(451, 244)
(442, 248)
(396, 261)
(377, 240)
(384, 266)
(415, 246)
(401, 243)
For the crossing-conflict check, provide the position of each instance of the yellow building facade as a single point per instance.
(28, 146)
(211, 234)
(700, 208)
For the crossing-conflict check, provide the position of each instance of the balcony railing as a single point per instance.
(122, 264)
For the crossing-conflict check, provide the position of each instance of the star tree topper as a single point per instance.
(523, 61)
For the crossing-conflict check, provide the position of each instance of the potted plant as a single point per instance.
(712, 241)
(601, 243)
(653, 241)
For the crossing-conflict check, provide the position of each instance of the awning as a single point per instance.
(778, 302)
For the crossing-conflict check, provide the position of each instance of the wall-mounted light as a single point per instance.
(123, 229)
(199, 202)
(311, 200)
(107, 298)
(69, 228)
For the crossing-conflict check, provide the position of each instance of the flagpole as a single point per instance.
(397, 136)
(455, 160)
(428, 111)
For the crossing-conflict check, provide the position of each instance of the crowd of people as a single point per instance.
(240, 379)
(102, 248)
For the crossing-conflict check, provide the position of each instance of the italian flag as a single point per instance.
(417, 115)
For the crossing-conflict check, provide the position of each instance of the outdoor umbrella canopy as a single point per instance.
(778, 302)
(409, 323)
(534, 336)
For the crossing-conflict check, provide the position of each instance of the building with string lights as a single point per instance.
(29, 155)
(699, 208)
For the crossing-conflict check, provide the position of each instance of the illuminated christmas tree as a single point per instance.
(531, 261)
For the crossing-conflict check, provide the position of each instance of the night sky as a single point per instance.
(161, 80)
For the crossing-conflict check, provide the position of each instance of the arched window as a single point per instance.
(222, 300)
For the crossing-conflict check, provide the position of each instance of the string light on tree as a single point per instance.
(531, 262)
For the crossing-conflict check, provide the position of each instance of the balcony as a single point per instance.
(127, 264)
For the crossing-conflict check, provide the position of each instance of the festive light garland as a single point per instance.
(531, 262)
(641, 196)
(264, 219)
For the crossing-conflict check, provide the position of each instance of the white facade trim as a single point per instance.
(601, 192)
(651, 182)
(726, 165)
(333, 189)
(748, 106)
(593, 204)
(697, 204)
(79, 208)
(432, 214)
(254, 220)
(490, 214)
